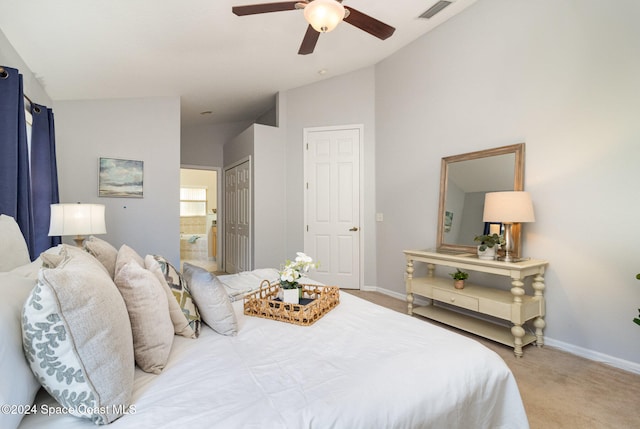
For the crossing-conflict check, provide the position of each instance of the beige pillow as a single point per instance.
(125, 255)
(103, 252)
(13, 248)
(180, 323)
(211, 298)
(148, 311)
(77, 338)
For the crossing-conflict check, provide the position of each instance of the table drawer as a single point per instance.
(456, 299)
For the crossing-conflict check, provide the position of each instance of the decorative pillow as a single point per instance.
(180, 323)
(103, 252)
(13, 248)
(18, 385)
(212, 299)
(77, 338)
(181, 292)
(148, 311)
(70, 250)
(127, 254)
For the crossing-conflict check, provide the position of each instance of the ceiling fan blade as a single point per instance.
(368, 24)
(309, 41)
(253, 9)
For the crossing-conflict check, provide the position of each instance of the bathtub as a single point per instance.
(194, 246)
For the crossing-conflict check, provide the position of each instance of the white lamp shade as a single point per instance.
(77, 219)
(324, 15)
(508, 207)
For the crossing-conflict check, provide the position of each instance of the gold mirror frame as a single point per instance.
(518, 185)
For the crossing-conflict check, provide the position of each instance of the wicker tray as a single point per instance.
(262, 303)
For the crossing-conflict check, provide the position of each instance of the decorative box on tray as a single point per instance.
(315, 302)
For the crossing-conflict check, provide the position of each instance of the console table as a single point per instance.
(514, 306)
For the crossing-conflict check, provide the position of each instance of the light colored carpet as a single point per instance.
(558, 389)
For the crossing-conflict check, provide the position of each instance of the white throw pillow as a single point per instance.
(18, 386)
(180, 323)
(211, 299)
(148, 311)
(13, 248)
(77, 338)
(125, 255)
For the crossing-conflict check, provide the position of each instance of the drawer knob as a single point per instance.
(453, 300)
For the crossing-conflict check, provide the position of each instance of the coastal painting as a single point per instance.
(120, 178)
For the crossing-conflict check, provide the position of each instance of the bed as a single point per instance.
(359, 366)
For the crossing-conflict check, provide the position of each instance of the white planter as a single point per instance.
(488, 254)
(291, 295)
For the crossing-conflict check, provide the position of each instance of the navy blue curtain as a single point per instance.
(44, 176)
(15, 187)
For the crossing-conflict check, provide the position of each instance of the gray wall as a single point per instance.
(146, 129)
(562, 77)
(202, 145)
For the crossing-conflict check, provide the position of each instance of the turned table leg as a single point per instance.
(517, 330)
(408, 287)
(539, 322)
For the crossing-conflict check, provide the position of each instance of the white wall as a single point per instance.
(202, 145)
(342, 100)
(32, 87)
(146, 129)
(562, 77)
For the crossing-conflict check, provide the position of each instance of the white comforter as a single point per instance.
(360, 366)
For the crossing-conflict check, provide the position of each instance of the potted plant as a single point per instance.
(289, 275)
(458, 278)
(489, 244)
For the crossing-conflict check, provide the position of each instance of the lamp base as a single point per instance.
(79, 240)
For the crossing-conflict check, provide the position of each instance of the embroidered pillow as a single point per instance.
(77, 338)
(103, 252)
(212, 299)
(181, 292)
(180, 323)
(148, 310)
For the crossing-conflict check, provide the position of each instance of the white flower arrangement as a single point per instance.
(293, 270)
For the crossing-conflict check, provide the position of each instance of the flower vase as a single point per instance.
(291, 295)
(458, 284)
(488, 254)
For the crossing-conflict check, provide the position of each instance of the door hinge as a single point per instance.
(307, 146)
(307, 228)
(307, 185)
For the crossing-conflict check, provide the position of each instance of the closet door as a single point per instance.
(237, 222)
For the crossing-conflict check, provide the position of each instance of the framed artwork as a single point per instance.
(120, 178)
(448, 221)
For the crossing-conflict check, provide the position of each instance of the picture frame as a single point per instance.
(123, 178)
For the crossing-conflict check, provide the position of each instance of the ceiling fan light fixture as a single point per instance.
(324, 15)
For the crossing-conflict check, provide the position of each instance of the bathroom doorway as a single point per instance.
(199, 214)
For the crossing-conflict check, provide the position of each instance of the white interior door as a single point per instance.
(332, 204)
(237, 219)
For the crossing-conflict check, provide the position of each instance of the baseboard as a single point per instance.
(593, 355)
(560, 345)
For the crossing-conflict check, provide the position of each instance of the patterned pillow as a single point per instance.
(212, 299)
(180, 322)
(180, 290)
(77, 338)
(103, 252)
(148, 311)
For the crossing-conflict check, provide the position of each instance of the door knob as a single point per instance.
(355, 228)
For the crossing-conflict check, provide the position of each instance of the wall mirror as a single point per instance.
(464, 180)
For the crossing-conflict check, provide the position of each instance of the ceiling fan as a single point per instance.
(323, 16)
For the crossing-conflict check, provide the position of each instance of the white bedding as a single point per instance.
(360, 366)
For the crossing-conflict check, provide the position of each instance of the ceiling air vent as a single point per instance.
(429, 13)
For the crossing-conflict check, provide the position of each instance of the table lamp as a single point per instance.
(77, 219)
(508, 208)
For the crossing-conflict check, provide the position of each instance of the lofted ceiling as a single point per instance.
(196, 49)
